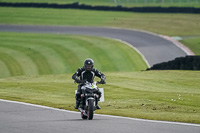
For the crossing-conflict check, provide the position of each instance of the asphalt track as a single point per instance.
(153, 47)
(27, 118)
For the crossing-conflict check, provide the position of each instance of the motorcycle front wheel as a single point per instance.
(90, 109)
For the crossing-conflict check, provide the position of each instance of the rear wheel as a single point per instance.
(90, 109)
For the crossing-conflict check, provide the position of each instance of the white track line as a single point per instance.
(119, 117)
(175, 42)
(178, 44)
(133, 47)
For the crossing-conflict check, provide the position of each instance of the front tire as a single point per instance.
(90, 109)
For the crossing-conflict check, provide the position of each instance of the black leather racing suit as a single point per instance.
(88, 76)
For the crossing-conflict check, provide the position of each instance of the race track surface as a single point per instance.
(154, 48)
(23, 118)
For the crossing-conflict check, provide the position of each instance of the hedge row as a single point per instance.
(105, 8)
(181, 63)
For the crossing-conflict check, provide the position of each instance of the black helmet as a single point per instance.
(88, 64)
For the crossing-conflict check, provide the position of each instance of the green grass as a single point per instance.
(33, 54)
(193, 44)
(157, 95)
(126, 3)
(166, 24)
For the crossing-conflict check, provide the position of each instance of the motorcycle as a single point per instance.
(88, 100)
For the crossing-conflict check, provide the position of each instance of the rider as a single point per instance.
(87, 73)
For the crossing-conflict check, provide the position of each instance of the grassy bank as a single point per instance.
(167, 24)
(158, 95)
(33, 54)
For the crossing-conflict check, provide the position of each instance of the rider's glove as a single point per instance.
(78, 81)
(103, 78)
(102, 81)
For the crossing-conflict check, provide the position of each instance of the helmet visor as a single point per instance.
(88, 67)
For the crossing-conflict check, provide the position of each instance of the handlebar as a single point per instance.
(85, 81)
(99, 82)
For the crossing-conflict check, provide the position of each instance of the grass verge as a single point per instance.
(33, 54)
(166, 24)
(193, 44)
(157, 95)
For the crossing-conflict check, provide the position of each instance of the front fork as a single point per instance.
(84, 101)
(87, 102)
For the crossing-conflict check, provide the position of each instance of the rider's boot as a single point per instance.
(77, 104)
(97, 106)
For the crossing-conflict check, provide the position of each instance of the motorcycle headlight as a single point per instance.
(88, 90)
